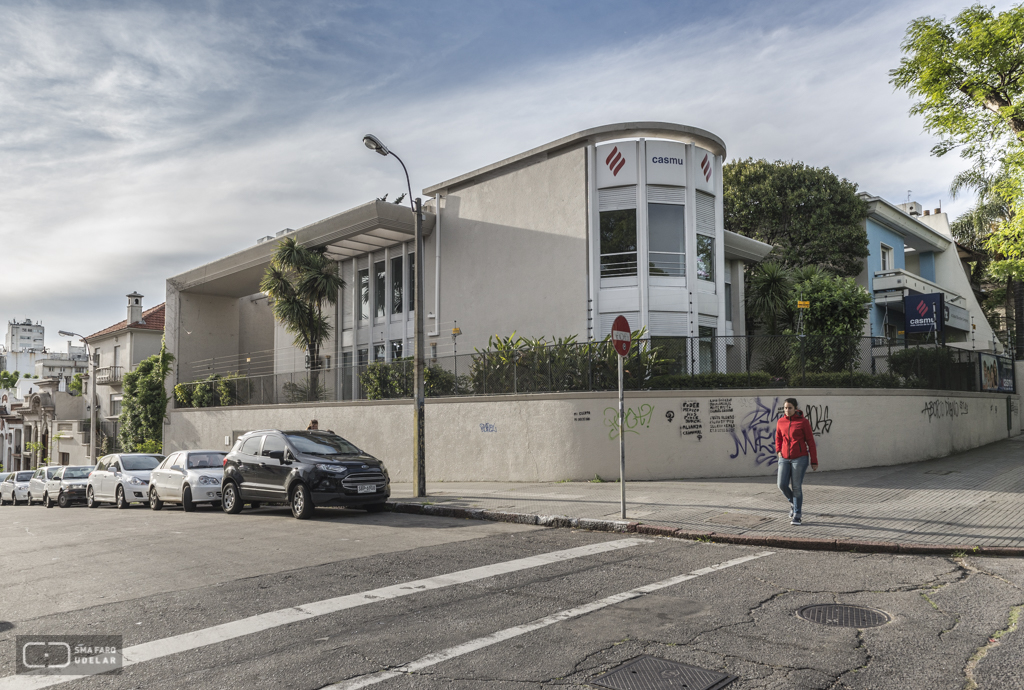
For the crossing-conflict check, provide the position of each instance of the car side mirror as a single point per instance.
(276, 455)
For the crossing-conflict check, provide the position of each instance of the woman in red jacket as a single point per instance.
(794, 442)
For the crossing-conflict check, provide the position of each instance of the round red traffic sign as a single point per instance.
(620, 335)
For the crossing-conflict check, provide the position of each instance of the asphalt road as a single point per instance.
(208, 600)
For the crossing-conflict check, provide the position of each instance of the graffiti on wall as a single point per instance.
(690, 418)
(635, 419)
(723, 418)
(756, 432)
(817, 415)
(944, 409)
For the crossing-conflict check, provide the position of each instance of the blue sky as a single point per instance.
(138, 140)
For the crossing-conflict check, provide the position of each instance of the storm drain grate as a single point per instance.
(650, 673)
(843, 616)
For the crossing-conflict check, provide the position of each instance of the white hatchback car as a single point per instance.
(14, 489)
(121, 479)
(67, 486)
(37, 485)
(188, 477)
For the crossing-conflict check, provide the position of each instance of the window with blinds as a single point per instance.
(705, 214)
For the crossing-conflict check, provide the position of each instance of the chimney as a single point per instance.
(134, 308)
(927, 212)
(937, 211)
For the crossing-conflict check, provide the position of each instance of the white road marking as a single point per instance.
(156, 649)
(509, 633)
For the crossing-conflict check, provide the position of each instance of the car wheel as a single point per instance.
(375, 507)
(186, 500)
(302, 503)
(121, 500)
(2, 501)
(28, 501)
(154, 501)
(62, 500)
(90, 499)
(231, 502)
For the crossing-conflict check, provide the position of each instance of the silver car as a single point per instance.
(14, 488)
(67, 486)
(188, 477)
(37, 485)
(121, 479)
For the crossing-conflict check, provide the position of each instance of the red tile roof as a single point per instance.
(152, 320)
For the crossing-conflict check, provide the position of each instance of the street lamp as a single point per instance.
(419, 472)
(92, 393)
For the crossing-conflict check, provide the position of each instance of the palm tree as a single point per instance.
(301, 281)
(768, 294)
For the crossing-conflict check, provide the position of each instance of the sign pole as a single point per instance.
(622, 443)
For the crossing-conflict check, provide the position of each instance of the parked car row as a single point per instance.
(301, 469)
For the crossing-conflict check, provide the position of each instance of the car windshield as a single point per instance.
(139, 462)
(77, 472)
(22, 476)
(322, 444)
(51, 471)
(199, 461)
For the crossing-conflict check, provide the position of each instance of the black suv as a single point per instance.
(305, 469)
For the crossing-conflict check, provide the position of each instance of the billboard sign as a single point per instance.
(924, 313)
(996, 373)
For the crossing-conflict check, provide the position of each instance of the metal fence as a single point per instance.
(720, 362)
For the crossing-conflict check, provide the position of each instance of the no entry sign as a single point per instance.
(620, 335)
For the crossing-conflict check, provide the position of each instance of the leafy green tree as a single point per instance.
(769, 289)
(144, 405)
(809, 214)
(76, 384)
(301, 281)
(9, 379)
(834, 323)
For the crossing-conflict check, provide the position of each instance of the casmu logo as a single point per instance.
(705, 165)
(921, 309)
(615, 161)
(670, 161)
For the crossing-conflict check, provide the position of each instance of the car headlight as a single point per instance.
(136, 481)
(331, 468)
(208, 481)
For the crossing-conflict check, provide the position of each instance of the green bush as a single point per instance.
(931, 367)
(756, 379)
(844, 379)
(389, 380)
(305, 390)
(183, 394)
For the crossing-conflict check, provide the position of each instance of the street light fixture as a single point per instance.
(419, 475)
(92, 393)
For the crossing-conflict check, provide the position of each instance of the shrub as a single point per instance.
(756, 379)
(388, 380)
(183, 394)
(846, 379)
(305, 390)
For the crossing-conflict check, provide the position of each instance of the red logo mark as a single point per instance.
(615, 161)
(705, 165)
(922, 309)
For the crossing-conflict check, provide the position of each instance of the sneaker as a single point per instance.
(792, 513)
(795, 520)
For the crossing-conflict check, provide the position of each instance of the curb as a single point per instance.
(633, 527)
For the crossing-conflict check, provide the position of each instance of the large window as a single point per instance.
(706, 257)
(364, 294)
(378, 352)
(396, 349)
(618, 243)
(380, 289)
(667, 239)
(396, 285)
(887, 262)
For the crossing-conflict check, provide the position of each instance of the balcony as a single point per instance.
(891, 286)
(109, 375)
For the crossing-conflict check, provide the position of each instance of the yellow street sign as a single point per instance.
(803, 305)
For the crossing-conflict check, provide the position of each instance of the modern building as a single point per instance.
(118, 349)
(912, 252)
(555, 241)
(24, 336)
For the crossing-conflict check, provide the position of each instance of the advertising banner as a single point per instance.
(1005, 375)
(989, 373)
(924, 313)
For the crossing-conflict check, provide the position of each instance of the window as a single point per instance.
(115, 405)
(618, 243)
(378, 352)
(363, 357)
(667, 239)
(364, 294)
(396, 349)
(117, 355)
(251, 445)
(380, 287)
(707, 349)
(728, 302)
(705, 257)
(887, 259)
(412, 281)
(396, 285)
(179, 461)
(65, 458)
(273, 443)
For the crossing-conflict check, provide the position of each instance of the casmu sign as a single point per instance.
(666, 163)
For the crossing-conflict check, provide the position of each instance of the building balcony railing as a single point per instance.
(109, 375)
(889, 286)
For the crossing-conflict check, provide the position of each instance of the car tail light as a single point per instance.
(225, 463)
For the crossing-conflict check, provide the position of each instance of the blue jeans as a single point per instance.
(793, 471)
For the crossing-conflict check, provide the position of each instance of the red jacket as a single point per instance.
(794, 438)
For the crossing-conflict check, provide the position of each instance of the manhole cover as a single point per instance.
(650, 673)
(843, 616)
(738, 520)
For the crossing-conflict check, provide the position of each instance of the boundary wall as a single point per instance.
(669, 434)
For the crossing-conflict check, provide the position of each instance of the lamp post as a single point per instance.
(92, 393)
(419, 472)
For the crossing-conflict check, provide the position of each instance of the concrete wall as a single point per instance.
(255, 333)
(200, 327)
(669, 435)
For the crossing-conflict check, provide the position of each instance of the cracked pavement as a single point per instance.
(149, 575)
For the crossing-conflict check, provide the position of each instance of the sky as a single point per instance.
(142, 139)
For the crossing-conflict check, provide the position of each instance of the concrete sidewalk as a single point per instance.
(959, 503)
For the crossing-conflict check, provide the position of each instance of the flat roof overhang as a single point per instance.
(745, 248)
(915, 234)
(359, 230)
(594, 135)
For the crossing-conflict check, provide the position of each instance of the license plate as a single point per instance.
(366, 488)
